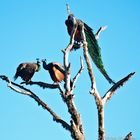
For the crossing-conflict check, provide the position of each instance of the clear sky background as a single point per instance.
(31, 29)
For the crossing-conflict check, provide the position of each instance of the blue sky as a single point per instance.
(33, 29)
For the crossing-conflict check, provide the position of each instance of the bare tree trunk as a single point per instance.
(100, 101)
(101, 130)
(75, 126)
(77, 132)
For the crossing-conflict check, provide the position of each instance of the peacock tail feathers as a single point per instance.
(95, 52)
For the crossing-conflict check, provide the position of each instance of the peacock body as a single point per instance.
(26, 71)
(93, 46)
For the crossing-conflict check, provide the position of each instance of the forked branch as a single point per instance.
(101, 29)
(100, 101)
(76, 125)
(25, 91)
(112, 90)
(94, 90)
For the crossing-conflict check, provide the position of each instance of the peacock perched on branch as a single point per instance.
(56, 71)
(27, 70)
(93, 47)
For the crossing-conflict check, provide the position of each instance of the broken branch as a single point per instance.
(112, 90)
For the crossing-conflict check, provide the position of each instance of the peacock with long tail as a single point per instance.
(93, 46)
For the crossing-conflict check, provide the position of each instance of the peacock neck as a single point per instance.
(39, 67)
(45, 66)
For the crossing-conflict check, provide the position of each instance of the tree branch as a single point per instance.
(43, 85)
(112, 90)
(101, 29)
(128, 136)
(94, 90)
(78, 74)
(77, 132)
(29, 93)
(68, 9)
(47, 85)
(66, 56)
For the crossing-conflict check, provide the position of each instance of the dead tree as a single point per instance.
(74, 126)
(100, 101)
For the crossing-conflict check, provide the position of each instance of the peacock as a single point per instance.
(93, 46)
(27, 70)
(56, 71)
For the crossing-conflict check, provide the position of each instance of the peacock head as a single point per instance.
(71, 21)
(45, 66)
(43, 61)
